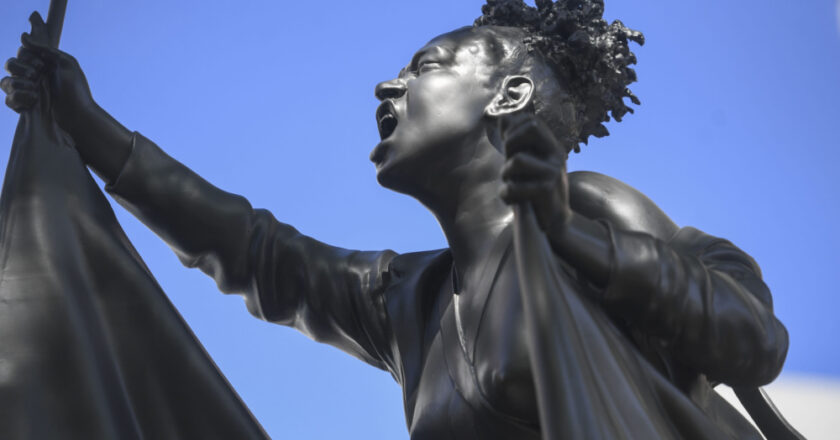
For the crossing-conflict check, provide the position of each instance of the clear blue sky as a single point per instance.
(736, 135)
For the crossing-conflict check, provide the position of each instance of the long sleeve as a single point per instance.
(703, 298)
(331, 294)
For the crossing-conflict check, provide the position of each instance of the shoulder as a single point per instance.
(414, 301)
(598, 196)
(412, 277)
(413, 262)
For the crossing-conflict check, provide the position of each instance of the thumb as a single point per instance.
(40, 47)
(39, 32)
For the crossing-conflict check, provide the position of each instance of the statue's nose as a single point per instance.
(392, 89)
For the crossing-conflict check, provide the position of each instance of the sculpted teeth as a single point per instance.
(386, 121)
(387, 125)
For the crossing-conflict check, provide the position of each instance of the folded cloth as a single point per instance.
(592, 383)
(90, 347)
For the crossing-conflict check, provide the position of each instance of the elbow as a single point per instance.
(211, 264)
(752, 343)
(770, 356)
(760, 362)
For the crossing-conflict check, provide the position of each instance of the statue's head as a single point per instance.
(560, 60)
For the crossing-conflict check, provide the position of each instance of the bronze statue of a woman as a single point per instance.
(478, 125)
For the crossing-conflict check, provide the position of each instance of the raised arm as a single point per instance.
(329, 293)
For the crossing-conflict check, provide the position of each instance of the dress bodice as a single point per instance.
(475, 380)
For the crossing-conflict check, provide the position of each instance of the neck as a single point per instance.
(470, 212)
(472, 230)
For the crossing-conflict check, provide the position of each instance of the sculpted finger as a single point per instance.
(525, 166)
(529, 135)
(504, 194)
(36, 20)
(40, 48)
(518, 127)
(20, 69)
(12, 84)
(20, 100)
(512, 120)
(30, 58)
(525, 191)
(538, 194)
(39, 27)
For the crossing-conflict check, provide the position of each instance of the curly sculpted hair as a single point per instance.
(590, 58)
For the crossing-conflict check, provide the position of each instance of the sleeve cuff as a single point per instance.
(144, 160)
(112, 186)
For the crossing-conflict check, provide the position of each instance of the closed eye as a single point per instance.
(426, 66)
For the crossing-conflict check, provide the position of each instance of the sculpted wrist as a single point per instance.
(82, 120)
(102, 141)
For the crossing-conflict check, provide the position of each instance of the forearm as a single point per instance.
(329, 293)
(704, 298)
(704, 301)
(206, 226)
(103, 143)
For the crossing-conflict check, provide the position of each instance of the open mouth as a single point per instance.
(386, 119)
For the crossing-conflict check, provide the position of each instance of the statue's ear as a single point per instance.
(516, 93)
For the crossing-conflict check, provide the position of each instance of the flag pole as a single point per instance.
(55, 20)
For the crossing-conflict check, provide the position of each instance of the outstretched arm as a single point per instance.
(331, 294)
(698, 295)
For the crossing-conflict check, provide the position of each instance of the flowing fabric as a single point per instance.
(90, 347)
(592, 383)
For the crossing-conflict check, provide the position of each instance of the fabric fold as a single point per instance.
(90, 347)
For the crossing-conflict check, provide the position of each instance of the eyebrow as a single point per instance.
(413, 64)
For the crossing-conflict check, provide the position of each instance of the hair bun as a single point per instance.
(590, 57)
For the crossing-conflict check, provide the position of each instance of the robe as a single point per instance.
(676, 317)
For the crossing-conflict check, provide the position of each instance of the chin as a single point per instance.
(388, 177)
(392, 174)
(387, 163)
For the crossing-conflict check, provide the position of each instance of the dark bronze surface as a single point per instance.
(567, 305)
(90, 347)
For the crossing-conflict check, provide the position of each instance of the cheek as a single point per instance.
(446, 103)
